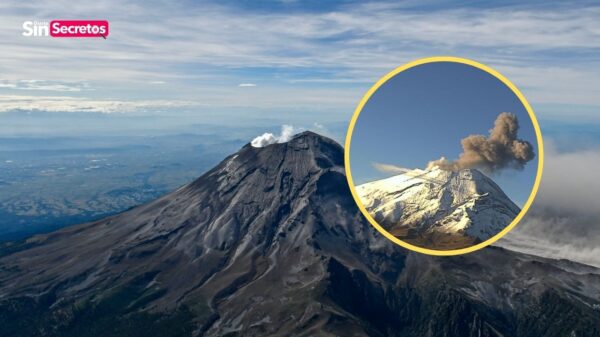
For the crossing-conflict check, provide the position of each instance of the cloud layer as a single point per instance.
(205, 50)
(564, 221)
(84, 104)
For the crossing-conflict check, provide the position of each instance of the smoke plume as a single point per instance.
(389, 168)
(501, 149)
(287, 131)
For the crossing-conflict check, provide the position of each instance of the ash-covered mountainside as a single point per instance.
(270, 243)
(439, 209)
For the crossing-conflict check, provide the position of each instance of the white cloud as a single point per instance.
(564, 220)
(353, 45)
(321, 129)
(43, 85)
(246, 85)
(81, 104)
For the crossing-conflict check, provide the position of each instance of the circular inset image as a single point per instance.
(444, 155)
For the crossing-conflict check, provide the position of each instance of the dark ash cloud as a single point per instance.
(500, 150)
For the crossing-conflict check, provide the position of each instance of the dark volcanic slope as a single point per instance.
(270, 242)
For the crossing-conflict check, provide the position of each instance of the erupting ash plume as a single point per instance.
(500, 150)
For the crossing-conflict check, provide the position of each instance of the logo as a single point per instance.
(66, 28)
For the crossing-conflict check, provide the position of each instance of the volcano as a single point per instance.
(439, 209)
(271, 243)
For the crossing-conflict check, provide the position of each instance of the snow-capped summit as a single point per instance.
(439, 209)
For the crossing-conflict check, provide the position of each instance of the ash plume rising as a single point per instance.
(501, 149)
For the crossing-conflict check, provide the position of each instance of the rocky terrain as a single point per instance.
(271, 243)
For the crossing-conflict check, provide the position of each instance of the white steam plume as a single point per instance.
(389, 168)
(267, 138)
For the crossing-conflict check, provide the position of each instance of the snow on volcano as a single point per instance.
(422, 203)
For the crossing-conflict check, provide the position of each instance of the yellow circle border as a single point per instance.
(488, 70)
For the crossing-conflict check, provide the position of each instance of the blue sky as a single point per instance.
(422, 114)
(306, 61)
